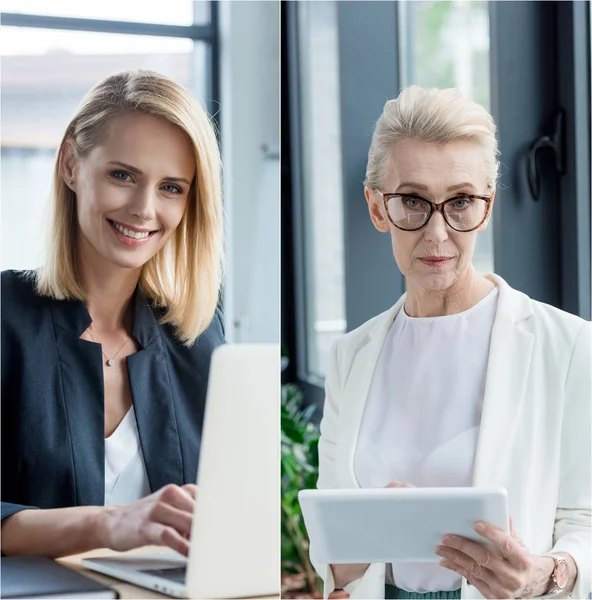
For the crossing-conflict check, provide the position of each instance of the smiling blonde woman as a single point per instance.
(464, 381)
(106, 348)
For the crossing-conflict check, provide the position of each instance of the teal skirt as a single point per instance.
(391, 591)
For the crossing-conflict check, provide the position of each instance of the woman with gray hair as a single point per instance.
(464, 381)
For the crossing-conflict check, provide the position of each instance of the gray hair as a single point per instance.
(437, 116)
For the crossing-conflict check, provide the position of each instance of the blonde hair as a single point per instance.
(433, 115)
(185, 276)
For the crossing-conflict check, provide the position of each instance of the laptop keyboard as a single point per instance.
(176, 574)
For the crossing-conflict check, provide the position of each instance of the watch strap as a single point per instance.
(554, 589)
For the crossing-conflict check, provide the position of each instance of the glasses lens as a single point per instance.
(408, 212)
(465, 213)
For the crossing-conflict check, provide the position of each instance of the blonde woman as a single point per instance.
(464, 381)
(106, 348)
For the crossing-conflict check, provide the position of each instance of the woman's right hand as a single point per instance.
(163, 518)
(345, 574)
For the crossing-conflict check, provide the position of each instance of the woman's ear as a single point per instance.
(68, 163)
(376, 210)
(484, 225)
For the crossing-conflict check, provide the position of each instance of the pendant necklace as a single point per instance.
(108, 361)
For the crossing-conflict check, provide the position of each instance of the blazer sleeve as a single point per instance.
(573, 524)
(364, 586)
(8, 509)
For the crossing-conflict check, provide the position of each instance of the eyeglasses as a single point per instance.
(410, 212)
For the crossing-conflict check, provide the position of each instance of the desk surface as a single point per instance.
(126, 590)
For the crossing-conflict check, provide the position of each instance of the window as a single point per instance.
(46, 72)
(444, 44)
(175, 12)
(321, 181)
(522, 61)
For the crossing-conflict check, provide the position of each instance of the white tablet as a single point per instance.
(396, 524)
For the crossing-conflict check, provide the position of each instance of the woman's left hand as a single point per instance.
(509, 571)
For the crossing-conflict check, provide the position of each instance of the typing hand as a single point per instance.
(162, 518)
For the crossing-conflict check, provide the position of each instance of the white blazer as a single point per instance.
(535, 438)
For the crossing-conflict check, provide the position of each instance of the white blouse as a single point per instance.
(126, 479)
(422, 417)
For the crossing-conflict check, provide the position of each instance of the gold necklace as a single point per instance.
(108, 361)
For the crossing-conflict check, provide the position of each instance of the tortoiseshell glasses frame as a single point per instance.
(437, 207)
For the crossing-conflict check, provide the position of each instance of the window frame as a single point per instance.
(360, 107)
(551, 37)
(575, 49)
(197, 33)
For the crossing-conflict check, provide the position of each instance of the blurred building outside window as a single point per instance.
(172, 12)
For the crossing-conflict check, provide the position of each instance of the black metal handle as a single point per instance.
(555, 143)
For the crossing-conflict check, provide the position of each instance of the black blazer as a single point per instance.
(53, 447)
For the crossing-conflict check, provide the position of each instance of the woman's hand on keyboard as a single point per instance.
(163, 518)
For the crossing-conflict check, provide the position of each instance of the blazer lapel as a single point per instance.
(152, 397)
(507, 375)
(82, 384)
(356, 390)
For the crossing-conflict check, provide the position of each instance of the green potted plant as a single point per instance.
(299, 471)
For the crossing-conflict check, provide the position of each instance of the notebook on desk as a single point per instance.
(235, 533)
(41, 577)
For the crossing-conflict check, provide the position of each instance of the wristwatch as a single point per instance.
(559, 576)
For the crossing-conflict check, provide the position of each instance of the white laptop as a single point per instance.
(235, 537)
